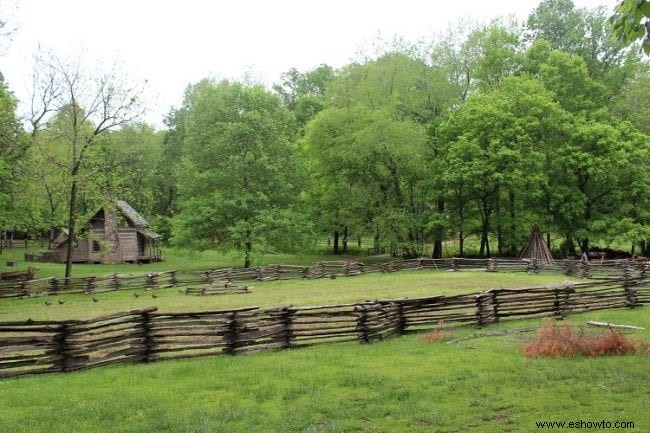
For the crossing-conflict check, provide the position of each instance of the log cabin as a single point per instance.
(114, 234)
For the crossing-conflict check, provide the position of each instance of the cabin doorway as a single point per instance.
(142, 244)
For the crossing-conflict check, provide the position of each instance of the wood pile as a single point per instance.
(223, 287)
(536, 248)
(18, 275)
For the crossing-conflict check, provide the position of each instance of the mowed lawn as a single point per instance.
(274, 293)
(398, 385)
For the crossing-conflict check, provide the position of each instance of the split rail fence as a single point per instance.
(156, 280)
(31, 347)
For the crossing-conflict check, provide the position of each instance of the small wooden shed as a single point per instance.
(114, 234)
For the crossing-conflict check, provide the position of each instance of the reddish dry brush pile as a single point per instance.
(555, 340)
(439, 333)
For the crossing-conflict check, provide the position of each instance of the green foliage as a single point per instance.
(237, 164)
(396, 82)
(560, 23)
(127, 163)
(12, 152)
(367, 168)
(631, 21)
(303, 93)
(632, 102)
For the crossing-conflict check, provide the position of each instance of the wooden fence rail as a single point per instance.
(31, 347)
(616, 269)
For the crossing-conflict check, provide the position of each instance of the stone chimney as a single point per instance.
(112, 240)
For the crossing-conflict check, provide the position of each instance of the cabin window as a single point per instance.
(96, 247)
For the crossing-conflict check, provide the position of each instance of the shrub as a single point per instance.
(554, 340)
(439, 333)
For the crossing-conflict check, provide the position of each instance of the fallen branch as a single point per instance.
(611, 325)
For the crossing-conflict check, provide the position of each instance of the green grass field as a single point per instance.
(398, 385)
(276, 293)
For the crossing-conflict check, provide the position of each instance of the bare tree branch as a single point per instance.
(77, 106)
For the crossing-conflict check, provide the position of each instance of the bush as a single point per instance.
(439, 333)
(554, 340)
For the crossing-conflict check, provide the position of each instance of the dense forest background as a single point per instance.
(480, 133)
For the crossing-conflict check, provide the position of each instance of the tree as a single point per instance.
(304, 92)
(12, 150)
(82, 106)
(631, 22)
(583, 32)
(396, 81)
(494, 160)
(238, 168)
(632, 103)
(409, 90)
(128, 164)
(499, 53)
(559, 23)
(368, 167)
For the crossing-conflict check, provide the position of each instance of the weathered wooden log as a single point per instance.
(614, 326)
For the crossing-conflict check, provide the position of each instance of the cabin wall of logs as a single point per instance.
(631, 269)
(146, 335)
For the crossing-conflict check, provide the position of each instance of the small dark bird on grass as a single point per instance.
(61, 301)
(48, 303)
(95, 299)
(136, 294)
(153, 296)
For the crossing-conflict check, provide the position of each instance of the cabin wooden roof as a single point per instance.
(129, 213)
(134, 217)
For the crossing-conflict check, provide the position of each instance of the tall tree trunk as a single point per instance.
(500, 244)
(437, 244)
(72, 220)
(485, 242)
(345, 239)
(336, 241)
(247, 251)
(461, 231)
(375, 240)
(570, 247)
(437, 249)
(513, 248)
(485, 229)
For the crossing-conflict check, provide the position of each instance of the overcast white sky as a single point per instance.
(173, 43)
